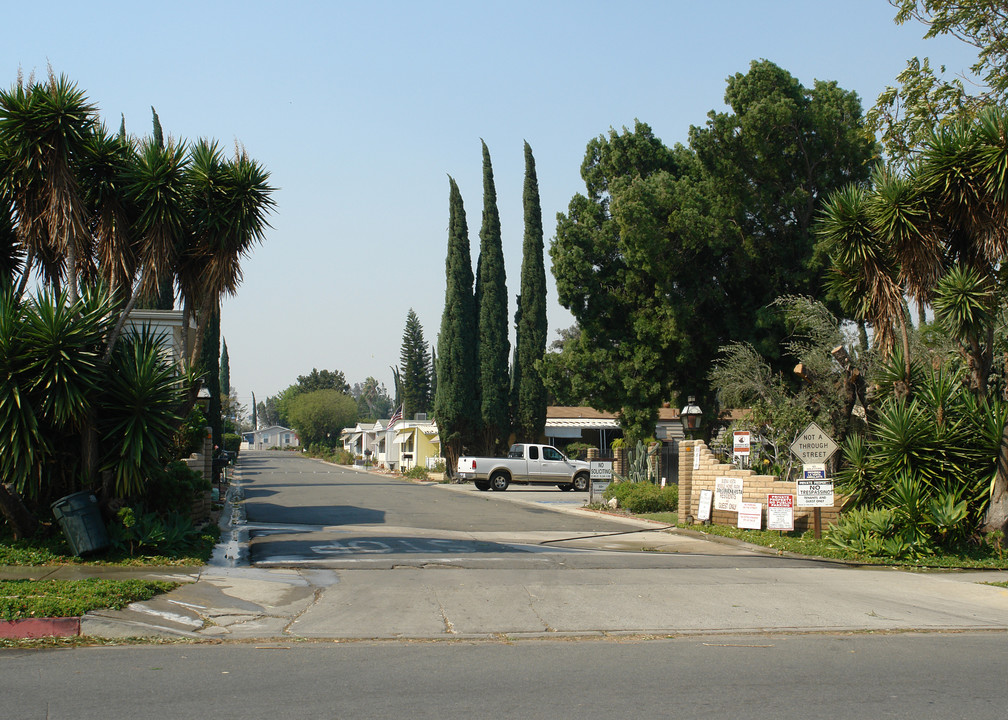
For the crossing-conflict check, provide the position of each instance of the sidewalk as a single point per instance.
(708, 587)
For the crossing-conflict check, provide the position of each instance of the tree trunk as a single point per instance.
(22, 522)
(997, 511)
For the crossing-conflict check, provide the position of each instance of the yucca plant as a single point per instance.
(138, 410)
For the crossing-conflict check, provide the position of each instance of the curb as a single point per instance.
(29, 628)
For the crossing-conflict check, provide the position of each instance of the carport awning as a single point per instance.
(563, 432)
(403, 438)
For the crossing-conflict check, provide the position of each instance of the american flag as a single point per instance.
(397, 416)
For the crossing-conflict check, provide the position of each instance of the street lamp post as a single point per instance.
(690, 416)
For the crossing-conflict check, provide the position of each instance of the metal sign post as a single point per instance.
(814, 447)
(601, 476)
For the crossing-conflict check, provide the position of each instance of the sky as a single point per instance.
(361, 111)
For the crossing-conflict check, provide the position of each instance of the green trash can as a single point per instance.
(81, 521)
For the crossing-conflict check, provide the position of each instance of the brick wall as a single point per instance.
(755, 488)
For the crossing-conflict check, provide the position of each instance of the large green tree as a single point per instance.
(528, 393)
(493, 346)
(414, 368)
(323, 380)
(318, 416)
(675, 252)
(926, 97)
(456, 405)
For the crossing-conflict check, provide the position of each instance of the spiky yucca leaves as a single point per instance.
(138, 411)
(865, 273)
(66, 340)
(49, 354)
(107, 161)
(157, 187)
(11, 256)
(229, 202)
(22, 444)
(930, 459)
(44, 127)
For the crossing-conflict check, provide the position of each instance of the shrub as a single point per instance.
(644, 497)
(232, 442)
(578, 450)
(150, 532)
(174, 488)
(417, 472)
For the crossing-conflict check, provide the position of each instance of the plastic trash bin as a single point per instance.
(81, 521)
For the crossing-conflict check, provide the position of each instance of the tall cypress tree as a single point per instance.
(493, 346)
(224, 375)
(210, 364)
(456, 405)
(414, 368)
(225, 370)
(528, 392)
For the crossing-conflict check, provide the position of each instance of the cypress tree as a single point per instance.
(225, 370)
(414, 368)
(529, 393)
(210, 364)
(433, 374)
(456, 405)
(493, 346)
(224, 375)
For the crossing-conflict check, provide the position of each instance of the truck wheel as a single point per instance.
(565, 486)
(499, 482)
(581, 482)
(482, 484)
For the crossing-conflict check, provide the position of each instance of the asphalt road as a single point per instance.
(899, 676)
(302, 512)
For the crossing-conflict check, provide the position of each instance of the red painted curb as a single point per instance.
(40, 627)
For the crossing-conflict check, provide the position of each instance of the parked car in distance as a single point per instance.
(526, 463)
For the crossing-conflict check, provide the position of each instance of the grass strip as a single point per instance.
(979, 557)
(21, 599)
(53, 550)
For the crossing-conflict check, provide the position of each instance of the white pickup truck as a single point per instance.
(525, 464)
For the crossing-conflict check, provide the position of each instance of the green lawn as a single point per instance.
(984, 558)
(20, 599)
(53, 550)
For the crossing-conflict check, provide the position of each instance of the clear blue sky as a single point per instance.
(361, 110)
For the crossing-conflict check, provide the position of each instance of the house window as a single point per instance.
(287, 439)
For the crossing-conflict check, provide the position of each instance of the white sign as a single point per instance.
(780, 512)
(814, 471)
(750, 516)
(813, 445)
(597, 488)
(696, 458)
(727, 493)
(601, 469)
(815, 493)
(740, 442)
(703, 512)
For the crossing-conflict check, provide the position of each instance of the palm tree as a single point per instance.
(44, 129)
(939, 234)
(228, 204)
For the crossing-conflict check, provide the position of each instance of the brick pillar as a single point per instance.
(686, 450)
(208, 454)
